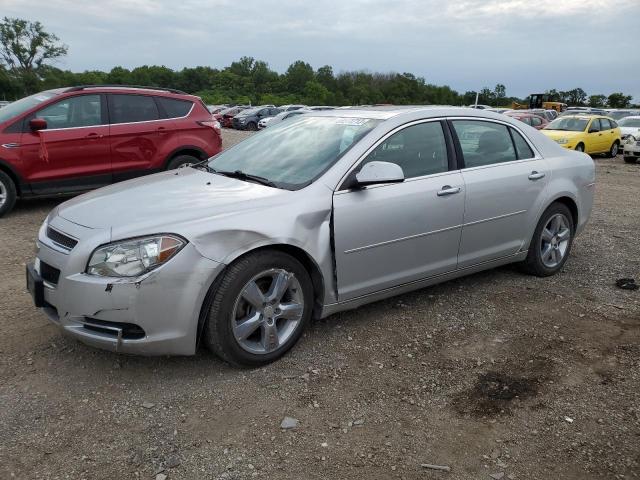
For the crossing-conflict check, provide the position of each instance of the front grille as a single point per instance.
(130, 331)
(49, 274)
(61, 239)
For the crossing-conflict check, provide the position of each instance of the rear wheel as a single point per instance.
(580, 147)
(259, 309)
(551, 242)
(630, 159)
(182, 161)
(8, 193)
(613, 151)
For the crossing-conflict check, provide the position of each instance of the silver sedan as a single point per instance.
(309, 217)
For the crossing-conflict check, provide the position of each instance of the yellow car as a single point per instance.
(587, 133)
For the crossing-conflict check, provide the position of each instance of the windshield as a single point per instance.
(19, 107)
(570, 124)
(294, 153)
(630, 122)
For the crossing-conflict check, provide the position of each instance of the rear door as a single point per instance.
(72, 153)
(505, 182)
(608, 134)
(139, 136)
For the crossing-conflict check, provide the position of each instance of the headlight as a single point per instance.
(631, 139)
(562, 141)
(133, 257)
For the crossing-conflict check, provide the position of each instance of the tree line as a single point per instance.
(27, 52)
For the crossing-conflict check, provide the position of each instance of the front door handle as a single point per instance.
(536, 175)
(449, 190)
(94, 135)
(161, 130)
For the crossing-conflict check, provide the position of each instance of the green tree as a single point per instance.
(619, 100)
(576, 97)
(597, 101)
(26, 48)
(298, 74)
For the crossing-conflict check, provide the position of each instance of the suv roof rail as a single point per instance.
(141, 87)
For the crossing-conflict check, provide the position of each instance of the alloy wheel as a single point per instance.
(267, 311)
(3, 194)
(555, 240)
(614, 150)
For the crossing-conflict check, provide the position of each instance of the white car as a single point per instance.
(630, 128)
(263, 122)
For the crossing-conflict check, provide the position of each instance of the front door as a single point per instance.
(72, 153)
(505, 184)
(390, 234)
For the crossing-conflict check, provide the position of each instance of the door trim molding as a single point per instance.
(401, 239)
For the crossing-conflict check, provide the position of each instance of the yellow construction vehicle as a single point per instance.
(540, 100)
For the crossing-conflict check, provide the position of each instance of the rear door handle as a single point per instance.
(94, 135)
(449, 190)
(536, 175)
(161, 130)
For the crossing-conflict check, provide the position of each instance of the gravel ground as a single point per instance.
(496, 375)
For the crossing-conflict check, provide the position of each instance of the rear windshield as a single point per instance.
(19, 107)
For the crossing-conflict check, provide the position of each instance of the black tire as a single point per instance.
(181, 160)
(580, 147)
(630, 159)
(533, 264)
(8, 190)
(218, 331)
(253, 126)
(614, 150)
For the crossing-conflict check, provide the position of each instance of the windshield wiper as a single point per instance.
(240, 175)
(204, 165)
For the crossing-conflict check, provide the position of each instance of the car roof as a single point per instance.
(131, 89)
(387, 112)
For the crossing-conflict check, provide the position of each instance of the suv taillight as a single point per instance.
(211, 124)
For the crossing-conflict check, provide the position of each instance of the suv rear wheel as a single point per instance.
(8, 193)
(182, 161)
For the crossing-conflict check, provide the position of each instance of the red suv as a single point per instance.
(74, 139)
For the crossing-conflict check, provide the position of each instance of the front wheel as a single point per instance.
(253, 126)
(551, 242)
(181, 161)
(8, 193)
(259, 309)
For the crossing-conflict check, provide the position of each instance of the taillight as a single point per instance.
(211, 124)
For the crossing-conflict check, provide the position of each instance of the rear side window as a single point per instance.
(523, 150)
(175, 108)
(132, 108)
(536, 121)
(484, 143)
(614, 124)
(419, 150)
(73, 112)
(605, 124)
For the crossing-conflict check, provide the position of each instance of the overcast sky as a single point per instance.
(528, 45)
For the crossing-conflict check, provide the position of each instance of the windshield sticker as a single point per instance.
(351, 121)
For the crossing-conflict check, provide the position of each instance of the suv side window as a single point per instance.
(605, 124)
(73, 112)
(419, 149)
(484, 143)
(522, 147)
(132, 108)
(536, 122)
(175, 108)
(595, 125)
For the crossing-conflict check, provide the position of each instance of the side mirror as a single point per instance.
(36, 124)
(379, 172)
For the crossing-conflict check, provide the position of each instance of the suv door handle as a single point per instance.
(94, 135)
(536, 175)
(162, 130)
(448, 190)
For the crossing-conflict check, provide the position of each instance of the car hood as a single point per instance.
(635, 131)
(165, 201)
(555, 134)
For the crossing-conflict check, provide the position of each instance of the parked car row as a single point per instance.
(75, 139)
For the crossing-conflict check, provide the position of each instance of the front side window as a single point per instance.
(536, 121)
(132, 108)
(484, 143)
(292, 154)
(73, 112)
(419, 150)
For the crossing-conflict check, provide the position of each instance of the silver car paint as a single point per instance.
(375, 256)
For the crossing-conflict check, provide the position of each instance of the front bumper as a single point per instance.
(154, 314)
(631, 149)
